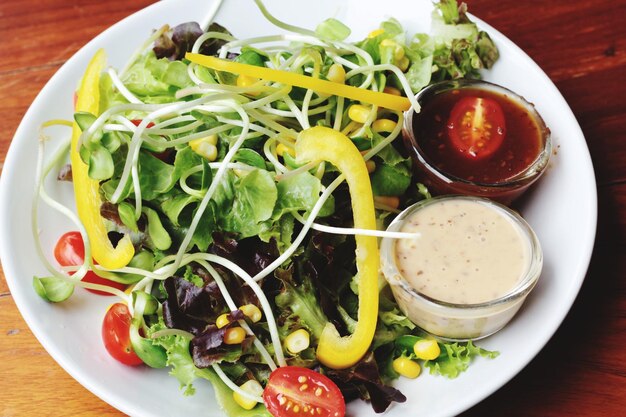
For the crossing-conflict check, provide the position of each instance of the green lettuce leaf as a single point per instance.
(390, 180)
(332, 29)
(53, 289)
(250, 157)
(182, 368)
(178, 357)
(250, 56)
(155, 176)
(255, 196)
(299, 305)
(456, 357)
(174, 207)
(156, 80)
(297, 193)
(281, 231)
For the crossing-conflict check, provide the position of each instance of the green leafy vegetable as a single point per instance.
(297, 193)
(53, 289)
(127, 215)
(254, 200)
(150, 353)
(332, 29)
(390, 180)
(455, 358)
(157, 233)
(299, 305)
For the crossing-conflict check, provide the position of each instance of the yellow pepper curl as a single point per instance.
(87, 190)
(325, 144)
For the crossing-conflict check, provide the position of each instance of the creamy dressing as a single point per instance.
(468, 252)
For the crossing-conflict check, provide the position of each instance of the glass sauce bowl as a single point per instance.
(507, 173)
(436, 314)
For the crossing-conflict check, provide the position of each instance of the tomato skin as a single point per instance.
(476, 127)
(70, 251)
(116, 335)
(294, 391)
(136, 122)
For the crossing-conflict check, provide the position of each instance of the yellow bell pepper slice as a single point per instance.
(388, 101)
(325, 144)
(87, 190)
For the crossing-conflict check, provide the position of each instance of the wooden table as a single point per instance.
(581, 44)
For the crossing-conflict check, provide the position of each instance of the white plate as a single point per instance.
(561, 208)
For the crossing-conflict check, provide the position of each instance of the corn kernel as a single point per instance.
(204, 148)
(392, 90)
(403, 64)
(359, 113)
(336, 74)
(212, 139)
(427, 349)
(222, 321)
(281, 149)
(398, 50)
(251, 386)
(406, 367)
(398, 53)
(244, 402)
(375, 33)
(252, 312)
(297, 341)
(387, 201)
(383, 125)
(371, 166)
(246, 81)
(234, 335)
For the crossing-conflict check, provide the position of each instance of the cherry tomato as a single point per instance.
(294, 391)
(70, 251)
(116, 334)
(476, 127)
(136, 122)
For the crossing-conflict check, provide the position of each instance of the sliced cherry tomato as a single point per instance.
(116, 334)
(70, 251)
(476, 127)
(294, 391)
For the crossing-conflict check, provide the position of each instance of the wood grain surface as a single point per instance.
(580, 44)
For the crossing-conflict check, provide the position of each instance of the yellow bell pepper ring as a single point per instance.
(87, 190)
(388, 101)
(324, 144)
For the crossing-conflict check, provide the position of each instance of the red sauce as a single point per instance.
(521, 144)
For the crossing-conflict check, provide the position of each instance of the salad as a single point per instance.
(232, 203)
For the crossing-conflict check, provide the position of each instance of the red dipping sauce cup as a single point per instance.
(443, 172)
